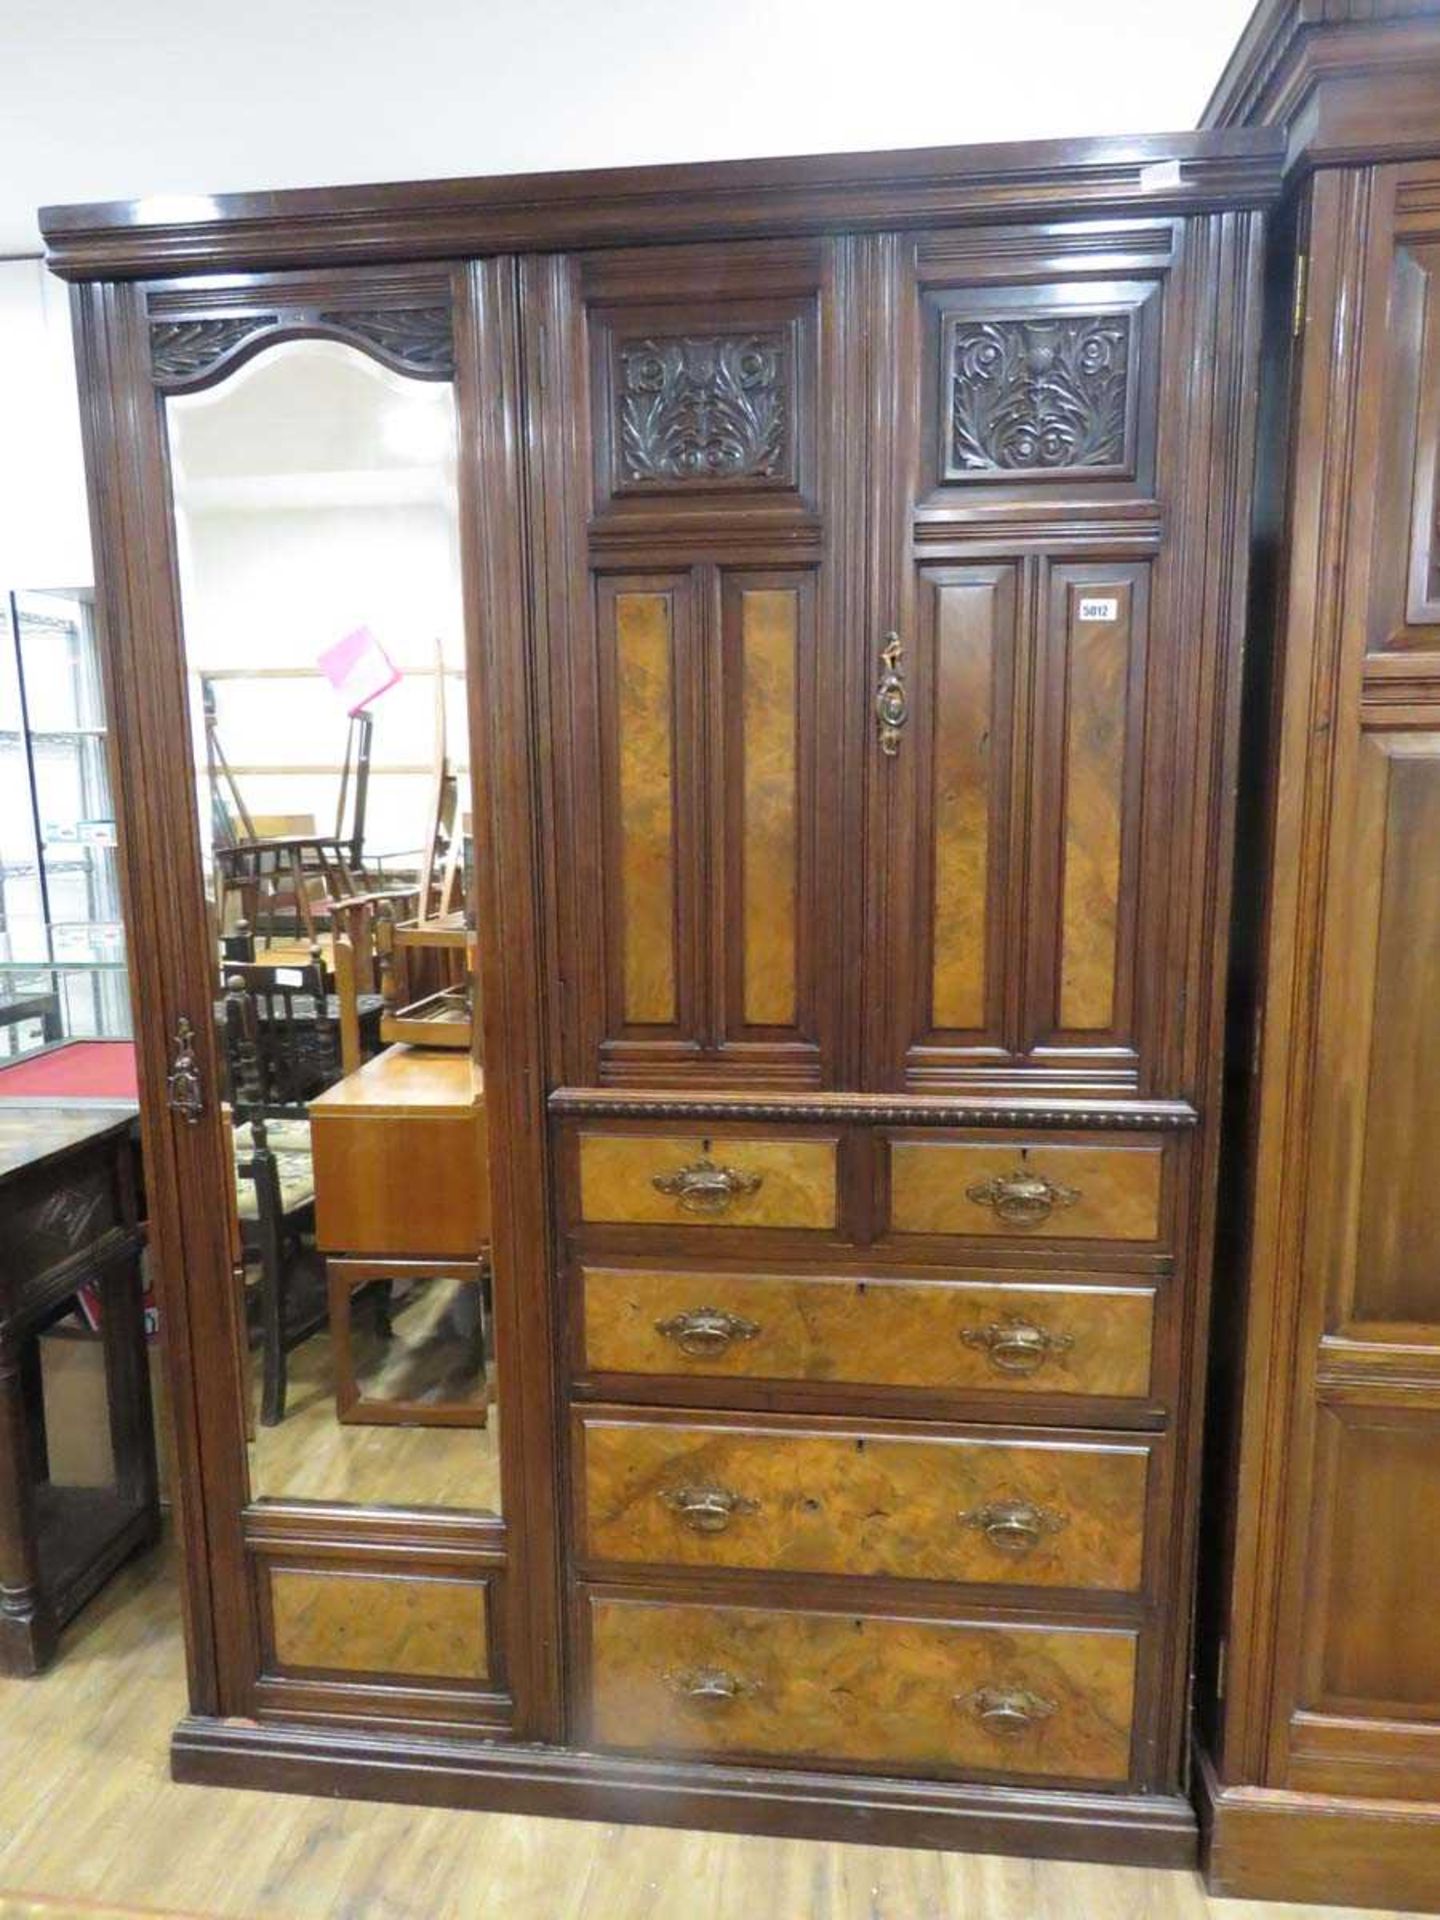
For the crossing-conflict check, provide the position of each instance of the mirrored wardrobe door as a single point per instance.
(312, 741)
(317, 533)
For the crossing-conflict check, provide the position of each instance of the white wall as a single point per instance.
(44, 534)
(105, 99)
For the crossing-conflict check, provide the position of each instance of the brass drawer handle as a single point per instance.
(1007, 1712)
(1014, 1526)
(1022, 1198)
(704, 1332)
(704, 1187)
(892, 703)
(708, 1509)
(1017, 1345)
(710, 1686)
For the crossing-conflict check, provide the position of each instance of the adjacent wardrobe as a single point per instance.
(852, 569)
(1319, 1694)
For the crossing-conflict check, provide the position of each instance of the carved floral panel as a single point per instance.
(1037, 394)
(702, 409)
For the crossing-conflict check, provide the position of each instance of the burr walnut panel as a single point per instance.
(954, 1335)
(1092, 742)
(768, 621)
(913, 1505)
(687, 1181)
(1035, 1701)
(379, 1623)
(638, 640)
(1027, 1188)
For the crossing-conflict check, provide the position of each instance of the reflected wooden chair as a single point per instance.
(274, 1191)
(297, 1027)
(362, 950)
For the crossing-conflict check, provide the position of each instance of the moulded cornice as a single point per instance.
(459, 219)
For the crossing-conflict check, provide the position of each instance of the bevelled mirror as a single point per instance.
(318, 540)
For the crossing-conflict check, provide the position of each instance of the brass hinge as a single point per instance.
(1302, 287)
(1220, 1670)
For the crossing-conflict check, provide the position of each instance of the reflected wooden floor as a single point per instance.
(312, 1456)
(91, 1818)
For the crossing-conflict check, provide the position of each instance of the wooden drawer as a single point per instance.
(684, 1180)
(1028, 1188)
(401, 1157)
(902, 1503)
(942, 1335)
(937, 1696)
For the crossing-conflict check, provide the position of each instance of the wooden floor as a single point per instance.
(90, 1823)
(310, 1455)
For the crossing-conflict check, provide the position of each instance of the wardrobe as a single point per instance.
(852, 560)
(1319, 1684)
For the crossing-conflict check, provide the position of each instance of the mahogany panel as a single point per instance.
(1040, 392)
(972, 1334)
(1398, 1202)
(701, 402)
(1371, 1646)
(992, 1698)
(1405, 582)
(971, 613)
(917, 1505)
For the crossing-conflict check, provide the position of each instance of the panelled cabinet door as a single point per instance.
(1360, 1658)
(702, 900)
(1022, 802)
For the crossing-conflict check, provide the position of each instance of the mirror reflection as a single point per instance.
(318, 535)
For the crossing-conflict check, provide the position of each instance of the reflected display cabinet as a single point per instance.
(848, 561)
(1319, 1660)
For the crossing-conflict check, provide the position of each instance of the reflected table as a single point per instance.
(402, 1198)
(68, 1216)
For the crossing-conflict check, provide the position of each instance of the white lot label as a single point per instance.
(1099, 609)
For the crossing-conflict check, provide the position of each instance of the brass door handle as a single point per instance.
(708, 1508)
(1014, 1526)
(892, 703)
(705, 1332)
(704, 1187)
(1007, 1712)
(710, 1686)
(1022, 1198)
(1017, 1345)
(183, 1092)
